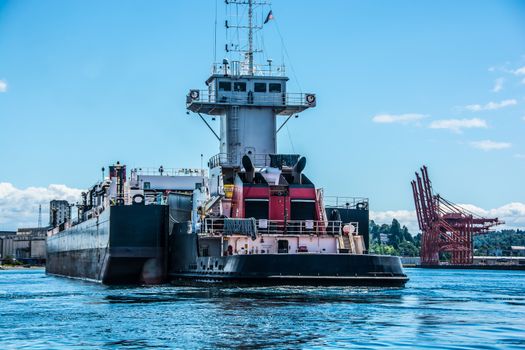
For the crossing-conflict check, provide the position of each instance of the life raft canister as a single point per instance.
(310, 99)
(194, 94)
(138, 199)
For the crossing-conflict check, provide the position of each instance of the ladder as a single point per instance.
(320, 205)
(347, 243)
(234, 134)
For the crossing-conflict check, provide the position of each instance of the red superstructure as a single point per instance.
(291, 197)
(445, 226)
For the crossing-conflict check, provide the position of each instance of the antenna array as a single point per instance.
(244, 20)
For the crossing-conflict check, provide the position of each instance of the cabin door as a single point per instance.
(282, 246)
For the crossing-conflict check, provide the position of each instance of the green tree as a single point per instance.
(374, 232)
(406, 235)
(417, 240)
(395, 235)
(399, 240)
(408, 249)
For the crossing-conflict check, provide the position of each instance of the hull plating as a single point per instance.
(125, 244)
(294, 269)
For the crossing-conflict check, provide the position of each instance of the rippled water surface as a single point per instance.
(437, 309)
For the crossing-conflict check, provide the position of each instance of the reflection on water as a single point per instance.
(437, 309)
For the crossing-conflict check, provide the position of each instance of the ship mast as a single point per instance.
(243, 42)
(250, 37)
(247, 96)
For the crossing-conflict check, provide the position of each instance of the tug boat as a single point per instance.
(258, 219)
(254, 218)
(270, 227)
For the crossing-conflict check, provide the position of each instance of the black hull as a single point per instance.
(199, 280)
(83, 264)
(293, 269)
(124, 245)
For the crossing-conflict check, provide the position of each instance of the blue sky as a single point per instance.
(399, 84)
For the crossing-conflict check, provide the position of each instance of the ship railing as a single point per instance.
(237, 68)
(151, 197)
(346, 202)
(284, 99)
(225, 159)
(170, 171)
(258, 159)
(223, 226)
(155, 198)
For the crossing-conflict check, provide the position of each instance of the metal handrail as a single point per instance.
(237, 68)
(345, 202)
(171, 171)
(222, 159)
(244, 97)
(215, 226)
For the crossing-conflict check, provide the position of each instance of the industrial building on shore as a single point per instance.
(27, 245)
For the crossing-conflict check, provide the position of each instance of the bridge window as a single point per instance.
(239, 87)
(225, 86)
(274, 87)
(259, 87)
(256, 208)
(302, 209)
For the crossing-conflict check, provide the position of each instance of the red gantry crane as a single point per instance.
(445, 226)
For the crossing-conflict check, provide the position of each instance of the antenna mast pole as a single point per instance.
(215, 36)
(250, 37)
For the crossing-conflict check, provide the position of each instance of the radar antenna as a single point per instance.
(236, 22)
(250, 37)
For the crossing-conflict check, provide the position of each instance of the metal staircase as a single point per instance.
(234, 134)
(320, 205)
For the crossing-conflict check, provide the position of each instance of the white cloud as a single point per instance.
(19, 207)
(456, 125)
(398, 118)
(506, 68)
(3, 85)
(488, 145)
(520, 71)
(491, 106)
(512, 213)
(498, 85)
(407, 218)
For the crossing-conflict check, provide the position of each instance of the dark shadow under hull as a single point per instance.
(199, 280)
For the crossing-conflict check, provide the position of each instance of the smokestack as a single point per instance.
(248, 168)
(298, 169)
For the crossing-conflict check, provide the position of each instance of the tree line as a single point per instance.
(395, 239)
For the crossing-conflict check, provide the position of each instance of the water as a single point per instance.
(437, 309)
